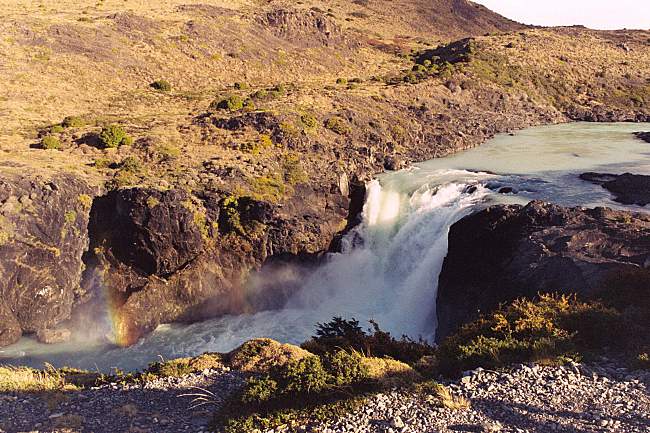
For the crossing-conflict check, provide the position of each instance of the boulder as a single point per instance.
(511, 251)
(645, 136)
(43, 234)
(53, 336)
(627, 188)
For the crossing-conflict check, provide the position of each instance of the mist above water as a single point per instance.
(389, 266)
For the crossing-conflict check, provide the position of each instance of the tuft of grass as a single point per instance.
(184, 366)
(23, 379)
(441, 396)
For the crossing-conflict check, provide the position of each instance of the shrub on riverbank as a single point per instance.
(546, 328)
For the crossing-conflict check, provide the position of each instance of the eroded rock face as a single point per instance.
(168, 256)
(43, 234)
(627, 188)
(505, 252)
(152, 231)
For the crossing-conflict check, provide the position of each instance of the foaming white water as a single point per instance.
(389, 265)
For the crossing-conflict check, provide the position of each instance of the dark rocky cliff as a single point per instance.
(511, 251)
(43, 234)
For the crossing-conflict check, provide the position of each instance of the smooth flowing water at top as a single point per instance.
(389, 266)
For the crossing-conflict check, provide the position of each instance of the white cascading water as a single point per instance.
(388, 269)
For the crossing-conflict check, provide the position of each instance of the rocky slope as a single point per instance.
(598, 397)
(511, 251)
(276, 115)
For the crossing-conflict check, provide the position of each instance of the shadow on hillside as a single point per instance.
(506, 414)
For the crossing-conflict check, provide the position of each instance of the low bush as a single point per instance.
(161, 85)
(309, 121)
(50, 142)
(347, 334)
(309, 388)
(338, 125)
(230, 103)
(57, 129)
(73, 122)
(545, 328)
(131, 164)
(184, 366)
(114, 136)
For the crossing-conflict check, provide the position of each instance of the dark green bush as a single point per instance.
(131, 164)
(341, 81)
(348, 335)
(162, 85)
(114, 136)
(292, 392)
(241, 86)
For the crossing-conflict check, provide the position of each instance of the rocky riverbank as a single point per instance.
(576, 398)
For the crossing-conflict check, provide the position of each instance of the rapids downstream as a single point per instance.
(389, 266)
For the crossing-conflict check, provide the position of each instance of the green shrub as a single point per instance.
(338, 125)
(131, 164)
(309, 121)
(229, 217)
(294, 391)
(102, 163)
(114, 136)
(73, 122)
(348, 335)
(256, 147)
(161, 85)
(56, 129)
(293, 171)
(241, 86)
(341, 81)
(50, 142)
(530, 330)
(231, 103)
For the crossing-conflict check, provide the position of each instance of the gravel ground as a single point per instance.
(574, 399)
(157, 407)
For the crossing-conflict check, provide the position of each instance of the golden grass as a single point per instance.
(23, 379)
(262, 354)
(443, 397)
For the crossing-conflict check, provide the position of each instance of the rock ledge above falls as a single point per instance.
(510, 251)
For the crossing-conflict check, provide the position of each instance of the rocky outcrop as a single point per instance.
(645, 136)
(43, 234)
(627, 188)
(509, 251)
(166, 256)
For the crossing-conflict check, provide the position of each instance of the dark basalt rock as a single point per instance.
(627, 188)
(153, 231)
(43, 235)
(645, 136)
(510, 251)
